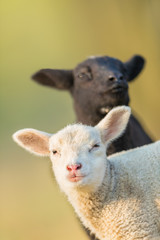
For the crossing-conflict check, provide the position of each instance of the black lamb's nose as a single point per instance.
(116, 78)
(112, 78)
(120, 77)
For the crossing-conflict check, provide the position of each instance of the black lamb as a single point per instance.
(97, 85)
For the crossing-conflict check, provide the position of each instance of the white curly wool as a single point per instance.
(127, 204)
(116, 197)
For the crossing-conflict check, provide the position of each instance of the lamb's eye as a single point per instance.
(85, 74)
(94, 147)
(81, 75)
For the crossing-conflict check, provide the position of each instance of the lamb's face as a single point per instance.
(77, 152)
(78, 157)
(101, 82)
(97, 84)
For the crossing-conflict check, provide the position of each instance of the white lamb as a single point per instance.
(116, 197)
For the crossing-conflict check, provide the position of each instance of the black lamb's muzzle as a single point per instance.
(119, 87)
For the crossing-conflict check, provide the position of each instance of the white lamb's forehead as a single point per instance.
(76, 134)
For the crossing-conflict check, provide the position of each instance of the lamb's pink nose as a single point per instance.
(74, 167)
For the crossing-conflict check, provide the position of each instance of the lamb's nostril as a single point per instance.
(121, 77)
(78, 166)
(74, 167)
(69, 168)
(111, 78)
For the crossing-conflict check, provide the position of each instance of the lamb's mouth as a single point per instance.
(75, 178)
(119, 89)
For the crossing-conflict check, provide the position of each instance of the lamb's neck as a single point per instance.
(87, 116)
(90, 115)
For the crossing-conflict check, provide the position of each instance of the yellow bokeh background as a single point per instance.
(59, 34)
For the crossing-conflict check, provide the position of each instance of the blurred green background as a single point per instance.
(59, 34)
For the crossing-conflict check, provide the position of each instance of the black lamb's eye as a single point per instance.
(81, 75)
(85, 74)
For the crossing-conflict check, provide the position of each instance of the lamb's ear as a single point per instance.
(134, 66)
(61, 79)
(114, 123)
(34, 141)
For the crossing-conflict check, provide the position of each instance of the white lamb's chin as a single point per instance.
(79, 185)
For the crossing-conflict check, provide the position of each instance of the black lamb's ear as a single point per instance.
(134, 66)
(60, 79)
